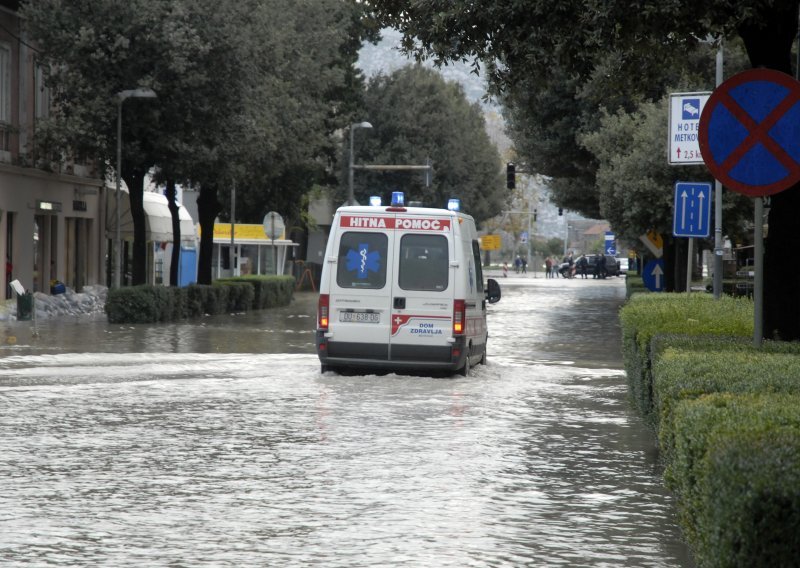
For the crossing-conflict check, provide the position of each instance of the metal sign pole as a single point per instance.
(689, 254)
(758, 282)
(718, 251)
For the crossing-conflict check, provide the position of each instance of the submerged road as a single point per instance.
(219, 443)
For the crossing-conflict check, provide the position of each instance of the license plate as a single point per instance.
(360, 317)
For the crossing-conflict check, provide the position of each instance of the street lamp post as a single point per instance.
(350, 199)
(122, 96)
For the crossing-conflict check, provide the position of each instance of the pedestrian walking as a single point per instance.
(582, 264)
(601, 266)
(524, 266)
(548, 267)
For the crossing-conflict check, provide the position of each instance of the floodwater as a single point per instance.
(219, 443)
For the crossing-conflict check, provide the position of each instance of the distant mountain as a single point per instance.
(385, 57)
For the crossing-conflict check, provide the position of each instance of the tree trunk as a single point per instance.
(135, 183)
(208, 207)
(175, 259)
(769, 44)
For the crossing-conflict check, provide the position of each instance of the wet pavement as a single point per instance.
(219, 443)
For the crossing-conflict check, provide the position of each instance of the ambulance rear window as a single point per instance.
(362, 260)
(424, 262)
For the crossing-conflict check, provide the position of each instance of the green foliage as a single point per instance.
(250, 91)
(646, 315)
(750, 498)
(681, 375)
(149, 304)
(268, 291)
(135, 304)
(416, 115)
(735, 473)
(634, 181)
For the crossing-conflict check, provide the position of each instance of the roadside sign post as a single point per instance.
(273, 229)
(684, 127)
(611, 247)
(748, 142)
(692, 217)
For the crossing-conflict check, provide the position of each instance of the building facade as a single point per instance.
(51, 223)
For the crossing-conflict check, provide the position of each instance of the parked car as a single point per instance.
(612, 265)
(622, 263)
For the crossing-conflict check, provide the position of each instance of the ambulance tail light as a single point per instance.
(459, 317)
(322, 312)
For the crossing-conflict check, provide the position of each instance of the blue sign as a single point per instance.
(748, 132)
(611, 249)
(692, 210)
(653, 275)
(690, 109)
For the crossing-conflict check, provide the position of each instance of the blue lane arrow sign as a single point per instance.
(692, 210)
(653, 275)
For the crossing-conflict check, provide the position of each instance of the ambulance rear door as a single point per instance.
(422, 288)
(361, 286)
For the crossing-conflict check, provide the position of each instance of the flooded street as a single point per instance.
(219, 443)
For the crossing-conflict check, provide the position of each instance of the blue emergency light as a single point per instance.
(375, 201)
(454, 205)
(398, 199)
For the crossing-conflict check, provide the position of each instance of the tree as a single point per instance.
(417, 116)
(247, 90)
(522, 40)
(635, 183)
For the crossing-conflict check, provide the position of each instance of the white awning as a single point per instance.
(158, 219)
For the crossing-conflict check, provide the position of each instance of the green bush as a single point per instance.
(134, 304)
(698, 423)
(268, 291)
(148, 304)
(234, 296)
(647, 315)
(681, 375)
(634, 285)
(749, 499)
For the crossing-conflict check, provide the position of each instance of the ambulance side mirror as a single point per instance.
(492, 291)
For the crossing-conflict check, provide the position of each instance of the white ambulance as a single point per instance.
(402, 289)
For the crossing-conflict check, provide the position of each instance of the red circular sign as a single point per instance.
(750, 132)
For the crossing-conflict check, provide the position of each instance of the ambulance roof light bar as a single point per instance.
(375, 201)
(454, 205)
(398, 202)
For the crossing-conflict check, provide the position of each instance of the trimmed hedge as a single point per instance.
(727, 416)
(681, 375)
(712, 513)
(647, 315)
(268, 291)
(149, 304)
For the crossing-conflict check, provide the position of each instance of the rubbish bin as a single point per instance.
(24, 306)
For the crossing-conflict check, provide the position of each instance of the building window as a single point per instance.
(41, 94)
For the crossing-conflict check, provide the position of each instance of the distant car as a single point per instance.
(612, 265)
(623, 265)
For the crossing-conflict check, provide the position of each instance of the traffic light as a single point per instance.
(511, 175)
(560, 211)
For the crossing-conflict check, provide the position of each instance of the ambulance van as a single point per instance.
(402, 290)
